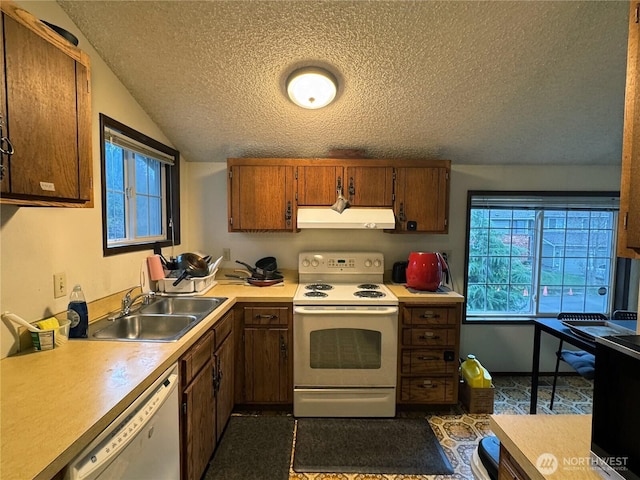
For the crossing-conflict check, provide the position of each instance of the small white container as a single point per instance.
(50, 339)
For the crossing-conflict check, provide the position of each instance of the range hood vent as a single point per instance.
(354, 218)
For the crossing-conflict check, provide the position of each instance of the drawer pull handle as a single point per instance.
(266, 317)
(422, 357)
(429, 336)
(428, 384)
(430, 315)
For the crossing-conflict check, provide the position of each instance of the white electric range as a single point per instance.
(345, 336)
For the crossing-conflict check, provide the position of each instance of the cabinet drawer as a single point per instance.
(426, 390)
(223, 328)
(428, 336)
(430, 316)
(196, 357)
(430, 361)
(508, 468)
(266, 316)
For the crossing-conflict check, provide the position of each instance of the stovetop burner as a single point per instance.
(319, 286)
(369, 294)
(339, 275)
(316, 294)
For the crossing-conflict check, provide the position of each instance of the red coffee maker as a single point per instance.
(425, 270)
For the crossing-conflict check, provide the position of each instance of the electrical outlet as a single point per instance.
(59, 285)
(226, 254)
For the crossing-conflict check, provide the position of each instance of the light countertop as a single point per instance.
(565, 439)
(55, 402)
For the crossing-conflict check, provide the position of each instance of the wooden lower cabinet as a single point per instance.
(264, 362)
(207, 383)
(508, 468)
(198, 419)
(429, 345)
(224, 372)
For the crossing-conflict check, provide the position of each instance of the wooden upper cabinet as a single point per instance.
(46, 94)
(369, 186)
(260, 196)
(4, 178)
(629, 224)
(363, 186)
(422, 198)
(318, 184)
(264, 193)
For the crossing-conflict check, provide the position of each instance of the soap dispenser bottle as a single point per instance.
(78, 314)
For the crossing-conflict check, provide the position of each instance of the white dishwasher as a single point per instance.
(142, 443)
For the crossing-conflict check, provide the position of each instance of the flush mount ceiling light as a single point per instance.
(312, 87)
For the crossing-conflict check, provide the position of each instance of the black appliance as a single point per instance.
(399, 272)
(615, 449)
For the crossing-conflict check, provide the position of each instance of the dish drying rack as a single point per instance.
(189, 285)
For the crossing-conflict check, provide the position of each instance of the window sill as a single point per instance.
(499, 320)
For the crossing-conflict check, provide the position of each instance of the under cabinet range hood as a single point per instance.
(354, 218)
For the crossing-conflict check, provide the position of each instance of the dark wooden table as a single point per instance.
(555, 328)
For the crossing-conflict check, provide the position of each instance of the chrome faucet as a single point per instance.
(127, 301)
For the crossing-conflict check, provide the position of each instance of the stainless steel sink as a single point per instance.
(183, 305)
(148, 327)
(166, 319)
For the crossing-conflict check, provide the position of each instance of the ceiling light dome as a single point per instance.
(312, 87)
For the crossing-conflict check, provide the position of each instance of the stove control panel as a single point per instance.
(341, 262)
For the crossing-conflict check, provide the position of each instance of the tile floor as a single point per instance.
(459, 432)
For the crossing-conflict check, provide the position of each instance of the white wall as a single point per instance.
(38, 242)
(500, 348)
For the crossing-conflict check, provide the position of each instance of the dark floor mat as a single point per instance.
(356, 445)
(253, 448)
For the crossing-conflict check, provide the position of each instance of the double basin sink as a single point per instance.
(165, 319)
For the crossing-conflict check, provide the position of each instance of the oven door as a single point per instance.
(345, 346)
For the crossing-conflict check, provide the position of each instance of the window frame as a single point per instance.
(509, 319)
(171, 187)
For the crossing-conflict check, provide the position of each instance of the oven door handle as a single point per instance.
(346, 310)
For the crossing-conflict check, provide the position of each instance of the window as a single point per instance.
(538, 254)
(140, 190)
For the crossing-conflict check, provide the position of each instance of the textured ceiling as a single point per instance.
(537, 82)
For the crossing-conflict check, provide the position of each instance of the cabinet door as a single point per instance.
(422, 196)
(224, 361)
(318, 185)
(4, 159)
(266, 372)
(629, 228)
(369, 186)
(261, 198)
(508, 468)
(199, 426)
(363, 186)
(43, 122)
